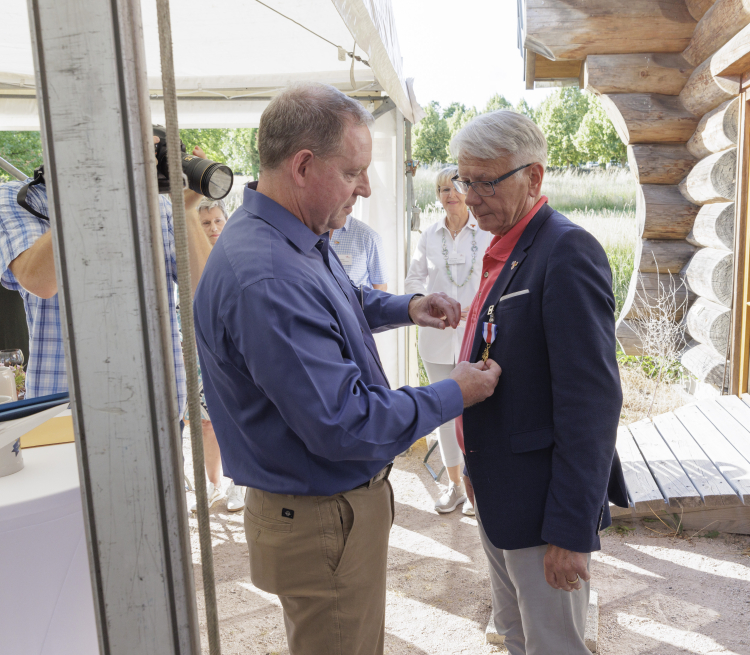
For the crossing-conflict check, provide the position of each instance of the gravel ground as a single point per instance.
(657, 595)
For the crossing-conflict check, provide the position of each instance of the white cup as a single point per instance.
(5, 399)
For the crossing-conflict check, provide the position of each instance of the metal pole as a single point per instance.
(99, 157)
(10, 169)
(409, 205)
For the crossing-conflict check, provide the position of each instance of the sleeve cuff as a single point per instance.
(451, 399)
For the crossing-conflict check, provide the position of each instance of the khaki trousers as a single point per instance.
(326, 558)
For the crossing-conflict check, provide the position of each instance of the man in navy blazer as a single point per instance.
(540, 452)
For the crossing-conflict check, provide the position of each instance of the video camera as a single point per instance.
(203, 176)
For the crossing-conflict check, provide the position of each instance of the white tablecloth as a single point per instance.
(46, 604)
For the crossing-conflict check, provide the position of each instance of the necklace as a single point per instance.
(474, 249)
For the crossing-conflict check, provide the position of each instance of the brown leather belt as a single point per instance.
(383, 475)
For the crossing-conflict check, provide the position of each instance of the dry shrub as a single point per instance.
(638, 395)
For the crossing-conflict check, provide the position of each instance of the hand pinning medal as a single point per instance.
(489, 332)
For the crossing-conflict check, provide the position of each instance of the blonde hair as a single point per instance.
(445, 178)
(499, 134)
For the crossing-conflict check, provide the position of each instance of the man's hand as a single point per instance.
(438, 310)
(563, 568)
(477, 381)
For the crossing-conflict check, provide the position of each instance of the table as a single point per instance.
(46, 602)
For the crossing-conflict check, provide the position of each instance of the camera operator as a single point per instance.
(27, 265)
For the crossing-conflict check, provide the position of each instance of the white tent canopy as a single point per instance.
(232, 56)
(227, 52)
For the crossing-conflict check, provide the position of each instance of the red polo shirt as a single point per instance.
(492, 265)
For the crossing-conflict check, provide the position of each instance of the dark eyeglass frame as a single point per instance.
(476, 185)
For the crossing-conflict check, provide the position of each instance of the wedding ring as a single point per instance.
(572, 581)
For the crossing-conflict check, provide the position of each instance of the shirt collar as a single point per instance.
(501, 247)
(283, 220)
(471, 223)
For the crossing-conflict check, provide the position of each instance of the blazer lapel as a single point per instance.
(506, 275)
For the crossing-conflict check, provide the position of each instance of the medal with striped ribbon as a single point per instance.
(489, 332)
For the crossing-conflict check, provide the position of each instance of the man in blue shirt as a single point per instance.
(300, 404)
(360, 251)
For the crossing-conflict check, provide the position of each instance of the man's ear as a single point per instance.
(301, 163)
(536, 175)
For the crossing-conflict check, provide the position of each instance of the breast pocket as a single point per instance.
(513, 300)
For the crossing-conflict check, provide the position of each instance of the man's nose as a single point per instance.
(363, 189)
(472, 198)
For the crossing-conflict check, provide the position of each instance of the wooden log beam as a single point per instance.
(712, 179)
(649, 117)
(709, 274)
(663, 213)
(714, 226)
(665, 256)
(548, 69)
(705, 91)
(651, 72)
(660, 163)
(719, 24)
(647, 289)
(628, 338)
(698, 8)
(530, 71)
(704, 363)
(708, 322)
(571, 30)
(733, 58)
(716, 131)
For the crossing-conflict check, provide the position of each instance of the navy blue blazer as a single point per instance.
(540, 452)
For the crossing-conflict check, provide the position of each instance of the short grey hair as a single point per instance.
(499, 134)
(306, 117)
(445, 178)
(207, 204)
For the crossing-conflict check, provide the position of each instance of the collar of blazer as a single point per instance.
(506, 275)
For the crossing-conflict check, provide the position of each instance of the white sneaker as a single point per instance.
(468, 509)
(213, 492)
(451, 499)
(235, 498)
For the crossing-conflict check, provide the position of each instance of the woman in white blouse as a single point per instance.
(448, 259)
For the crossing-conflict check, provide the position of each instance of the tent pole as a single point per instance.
(409, 205)
(98, 152)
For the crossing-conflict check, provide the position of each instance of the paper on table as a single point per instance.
(12, 430)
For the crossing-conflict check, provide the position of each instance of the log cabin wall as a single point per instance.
(668, 73)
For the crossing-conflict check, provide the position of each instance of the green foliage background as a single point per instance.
(575, 124)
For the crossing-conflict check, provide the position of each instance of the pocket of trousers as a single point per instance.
(267, 524)
(342, 523)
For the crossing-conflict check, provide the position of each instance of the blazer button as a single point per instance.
(486, 274)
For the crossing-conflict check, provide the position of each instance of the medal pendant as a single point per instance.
(486, 353)
(489, 333)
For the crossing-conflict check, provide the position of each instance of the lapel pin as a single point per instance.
(513, 265)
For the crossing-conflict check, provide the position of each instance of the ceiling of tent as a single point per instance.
(231, 56)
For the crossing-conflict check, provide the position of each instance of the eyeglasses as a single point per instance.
(483, 188)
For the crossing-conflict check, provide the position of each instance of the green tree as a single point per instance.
(237, 148)
(526, 109)
(431, 136)
(23, 150)
(496, 102)
(452, 109)
(559, 117)
(455, 123)
(596, 136)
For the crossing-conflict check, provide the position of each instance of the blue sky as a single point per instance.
(462, 51)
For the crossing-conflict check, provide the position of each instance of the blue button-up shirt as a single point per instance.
(290, 369)
(360, 250)
(19, 230)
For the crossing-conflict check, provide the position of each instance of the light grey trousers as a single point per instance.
(534, 618)
(450, 452)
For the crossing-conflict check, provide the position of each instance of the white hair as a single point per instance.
(445, 178)
(499, 134)
(207, 204)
